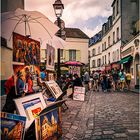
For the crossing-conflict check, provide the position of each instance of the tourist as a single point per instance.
(128, 79)
(122, 80)
(86, 79)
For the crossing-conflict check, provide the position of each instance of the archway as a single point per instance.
(137, 70)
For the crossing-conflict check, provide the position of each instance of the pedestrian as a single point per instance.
(95, 81)
(128, 79)
(115, 80)
(86, 78)
(43, 75)
(122, 80)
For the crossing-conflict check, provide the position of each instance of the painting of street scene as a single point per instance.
(26, 50)
(12, 126)
(48, 126)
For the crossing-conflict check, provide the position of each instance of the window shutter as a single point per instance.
(78, 55)
(66, 55)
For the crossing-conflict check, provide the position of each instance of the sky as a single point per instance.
(87, 15)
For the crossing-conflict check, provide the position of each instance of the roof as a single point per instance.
(75, 33)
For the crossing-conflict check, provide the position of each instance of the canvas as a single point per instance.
(50, 55)
(26, 50)
(12, 126)
(30, 106)
(79, 93)
(49, 125)
(27, 78)
(54, 88)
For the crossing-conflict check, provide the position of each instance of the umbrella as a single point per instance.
(28, 23)
(74, 63)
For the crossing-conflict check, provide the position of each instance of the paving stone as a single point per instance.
(120, 135)
(133, 131)
(96, 138)
(108, 132)
(74, 127)
(97, 133)
(69, 135)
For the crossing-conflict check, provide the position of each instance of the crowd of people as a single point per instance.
(114, 80)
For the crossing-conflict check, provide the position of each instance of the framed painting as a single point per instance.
(26, 50)
(12, 126)
(54, 88)
(30, 106)
(48, 126)
(50, 55)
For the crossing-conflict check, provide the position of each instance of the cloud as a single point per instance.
(76, 12)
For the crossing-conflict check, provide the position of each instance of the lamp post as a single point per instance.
(58, 8)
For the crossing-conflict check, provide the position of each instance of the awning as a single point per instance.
(126, 59)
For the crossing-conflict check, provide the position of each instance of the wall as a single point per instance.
(81, 45)
(11, 5)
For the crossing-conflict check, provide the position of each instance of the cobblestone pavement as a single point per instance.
(102, 116)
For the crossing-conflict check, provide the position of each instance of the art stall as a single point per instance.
(37, 116)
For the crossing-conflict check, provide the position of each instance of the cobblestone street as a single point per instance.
(102, 116)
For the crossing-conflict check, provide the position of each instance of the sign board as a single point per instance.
(79, 93)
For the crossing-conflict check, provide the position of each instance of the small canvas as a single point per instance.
(48, 126)
(54, 88)
(30, 106)
(79, 93)
(12, 126)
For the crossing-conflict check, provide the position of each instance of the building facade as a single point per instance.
(76, 48)
(115, 34)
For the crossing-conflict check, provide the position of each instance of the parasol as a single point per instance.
(74, 63)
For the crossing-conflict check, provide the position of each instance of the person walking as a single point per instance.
(128, 79)
(86, 80)
(115, 80)
(122, 80)
(95, 81)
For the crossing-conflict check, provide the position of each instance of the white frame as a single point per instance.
(48, 83)
(19, 105)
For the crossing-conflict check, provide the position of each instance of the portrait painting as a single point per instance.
(26, 50)
(12, 126)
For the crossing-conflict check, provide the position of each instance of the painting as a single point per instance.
(26, 50)
(50, 55)
(79, 93)
(12, 126)
(54, 88)
(27, 78)
(74, 70)
(49, 125)
(30, 106)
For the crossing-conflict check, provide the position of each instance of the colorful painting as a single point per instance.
(50, 54)
(26, 50)
(74, 70)
(27, 78)
(54, 88)
(49, 125)
(12, 126)
(30, 106)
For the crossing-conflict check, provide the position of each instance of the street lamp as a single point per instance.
(58, 9)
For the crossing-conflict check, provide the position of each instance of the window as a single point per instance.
(99, 62)
(109, 58)
(61, 53)
(105, 59)
(72, 55)
(102, 60)
(114, 12)
(109, 41)
(105, 45)
(117, 8)
(102, 47)
(93, 52)
(117, 33)
(99, 50)
(113, 37)
(117, 54)
(93, 63)
(113, 57)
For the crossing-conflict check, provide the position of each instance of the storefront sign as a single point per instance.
(79, 93)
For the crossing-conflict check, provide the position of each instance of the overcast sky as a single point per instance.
(88, 15)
